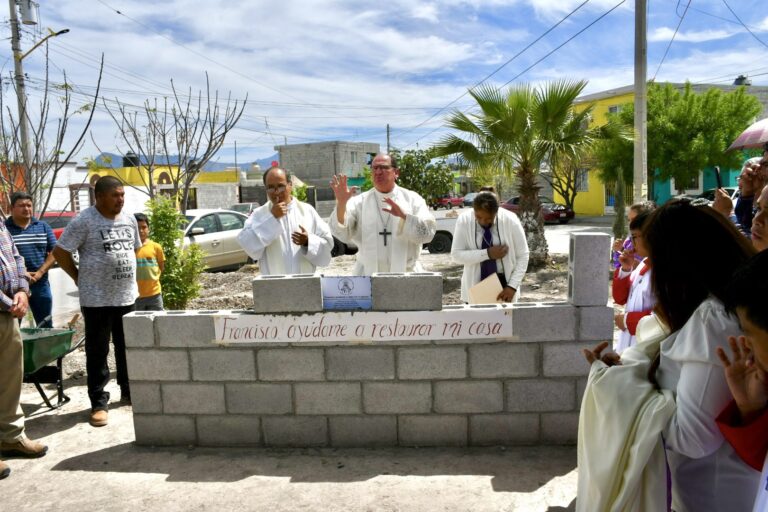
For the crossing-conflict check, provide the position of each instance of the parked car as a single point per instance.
(469, 199)
(448, 201)
(552, 211)
(215, 231)
(245, 208)
(58, 221)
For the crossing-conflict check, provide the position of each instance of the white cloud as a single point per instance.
(664, 34)
(426, 12)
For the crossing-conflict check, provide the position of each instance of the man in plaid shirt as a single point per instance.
(14, 295)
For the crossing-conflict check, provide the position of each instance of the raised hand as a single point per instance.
(393, 208)
(341, 191)
(627, 260)
(609, 358)
(747, 382)
(279, 209)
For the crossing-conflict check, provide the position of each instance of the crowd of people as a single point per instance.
(670, 420)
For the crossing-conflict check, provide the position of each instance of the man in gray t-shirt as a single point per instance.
(105, 238)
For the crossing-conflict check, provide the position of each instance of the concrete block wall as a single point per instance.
(521, 390)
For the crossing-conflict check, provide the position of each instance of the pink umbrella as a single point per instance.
(753, 137)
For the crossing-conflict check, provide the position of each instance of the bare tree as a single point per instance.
(190, 127)
(35, 172)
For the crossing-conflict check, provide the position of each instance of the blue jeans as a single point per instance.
(41, 302)
(153, 303)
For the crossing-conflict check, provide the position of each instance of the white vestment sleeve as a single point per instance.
(463, 249)
(350, 230)
(260, 230)
(418, 227)
(318, 250)
(520, 249)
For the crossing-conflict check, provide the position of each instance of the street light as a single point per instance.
(51, 34)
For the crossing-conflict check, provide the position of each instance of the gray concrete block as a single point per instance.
(433, 430)
(397, 397)
(294, 364)
(223, 364)
(363, 431)
(184, 329)
(153, 429)
(360, 363)
(409, 291)
(228, 431)
(595, 323)
(469, 396)
(559, 427)
(587, 269)
(189, 398)
(146, 398)
(298, 431)
(300, 293)
(328, 398)
(544, 322)
(432, 363)
(139, 329)
(504, 360)
(564, 359)
(503, 429)
(157, 365)
(538, 395)
(256, 398)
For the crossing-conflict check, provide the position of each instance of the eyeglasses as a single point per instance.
(381, 168)
(633, 237)
(276, 188)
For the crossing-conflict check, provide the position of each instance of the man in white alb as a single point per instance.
(285, 235)
(388, 223)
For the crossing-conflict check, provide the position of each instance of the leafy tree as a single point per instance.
(514, 132)
(183, 265)
(368, 183)
(421, 173)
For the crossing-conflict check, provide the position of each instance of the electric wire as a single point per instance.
(666, 51)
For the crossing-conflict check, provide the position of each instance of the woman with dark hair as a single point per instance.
(688, 325)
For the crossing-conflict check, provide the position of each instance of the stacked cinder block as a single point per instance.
(523, 390)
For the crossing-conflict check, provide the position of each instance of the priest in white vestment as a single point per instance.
(389, 224)
(285, 235)
(489, 240)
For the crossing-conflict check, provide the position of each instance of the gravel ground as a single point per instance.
(232, 290)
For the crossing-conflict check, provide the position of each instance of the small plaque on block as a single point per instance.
(346, 293)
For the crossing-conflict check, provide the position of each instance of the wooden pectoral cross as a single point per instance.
(385, 234)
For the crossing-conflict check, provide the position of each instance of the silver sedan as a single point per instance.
(215, 231)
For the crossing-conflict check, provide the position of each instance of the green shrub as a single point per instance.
(183, 265)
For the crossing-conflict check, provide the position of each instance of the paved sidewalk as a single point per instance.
(102, 469)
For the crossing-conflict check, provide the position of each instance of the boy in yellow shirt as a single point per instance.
(150, 262)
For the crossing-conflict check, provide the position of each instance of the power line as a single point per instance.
(743, 25)
(663, 57)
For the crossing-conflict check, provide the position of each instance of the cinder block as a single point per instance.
(328, 398)
(504, 360)
(538, 395)
(360, 363)
(145, 397)
(139, 329)
(596, 323)
(564, 359)
(469, 396)
(559, 427)
(153, 429)
(223, 364)
(363, 431)
(292, 364)
(409, 291)
(300, 293)
(433, 430)
(184, 329)
(298, 431)
(157, 364)
(503, 429)
(228, 431)
(544, 322)
(587, 269)
(397, 397)
(194, 398)
(432, 363)
(254, 398)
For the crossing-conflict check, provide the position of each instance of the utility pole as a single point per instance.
(21, 95)
(640, 175)
(387, 138)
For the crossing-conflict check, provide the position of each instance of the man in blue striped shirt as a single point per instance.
(35, 241)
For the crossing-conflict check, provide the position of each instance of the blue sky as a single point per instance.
(341, 70)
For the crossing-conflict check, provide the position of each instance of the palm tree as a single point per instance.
(514, 133)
